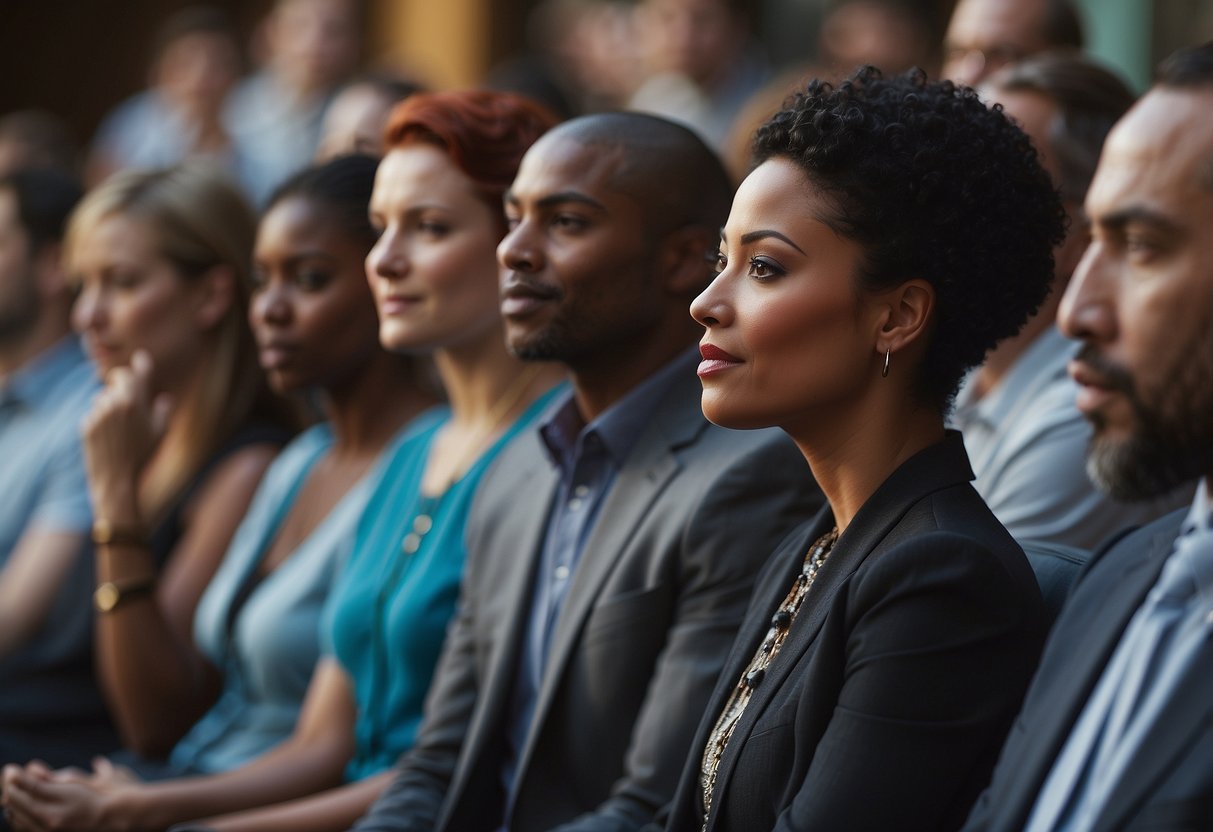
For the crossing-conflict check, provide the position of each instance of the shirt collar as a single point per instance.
(617, 427)
(1200, 516)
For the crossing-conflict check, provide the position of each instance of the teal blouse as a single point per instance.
(388, 613)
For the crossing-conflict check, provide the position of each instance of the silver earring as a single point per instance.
(885, 372)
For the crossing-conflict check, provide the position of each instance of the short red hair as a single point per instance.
(485, 132)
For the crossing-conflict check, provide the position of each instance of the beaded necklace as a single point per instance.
(752, 676)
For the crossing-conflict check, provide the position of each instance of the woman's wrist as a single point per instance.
(108, 533)
(117, 504)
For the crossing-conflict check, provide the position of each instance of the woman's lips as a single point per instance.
(274, 356)
(397, 304)
(715, 360)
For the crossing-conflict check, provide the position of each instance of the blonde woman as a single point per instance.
(180, 435)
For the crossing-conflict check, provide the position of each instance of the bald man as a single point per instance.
(611, 552)
(985, 35)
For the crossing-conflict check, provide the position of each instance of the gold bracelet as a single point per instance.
(111, 594)
(106, 533)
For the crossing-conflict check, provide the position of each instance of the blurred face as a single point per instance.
(578, 274)
(198, 70)
(18, 292)
(1141, 301)
(354, 123)
(1037, 115)
(694, 37)
(133, 298)
(861, 33)
(315, 42)
(986, 35)
(432, 271)
(786, 340)
(311, 313)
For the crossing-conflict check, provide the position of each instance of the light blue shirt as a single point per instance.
(1087, 771)
(47, 686)
(1027, 443)
(588, 458)
(42, 478)
(264, 635)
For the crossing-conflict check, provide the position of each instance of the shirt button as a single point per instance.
(562, 572)
(412, 542)
(574, 504)
(581, 491)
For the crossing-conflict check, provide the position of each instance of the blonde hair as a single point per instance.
(199, 221)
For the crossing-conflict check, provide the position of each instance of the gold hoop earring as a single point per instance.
(885, 372)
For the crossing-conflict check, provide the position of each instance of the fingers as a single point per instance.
(19, 802)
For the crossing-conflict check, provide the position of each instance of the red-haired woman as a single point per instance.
(437, 203)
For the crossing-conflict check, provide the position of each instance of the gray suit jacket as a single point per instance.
(1169, 782)
(654, 605)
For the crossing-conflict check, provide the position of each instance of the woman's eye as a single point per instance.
(312, 279)
(718, 261)
(433, 229)
(764, 269)
(123, 280)
(257, 280)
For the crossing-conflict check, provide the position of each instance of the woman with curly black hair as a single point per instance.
(891, 233)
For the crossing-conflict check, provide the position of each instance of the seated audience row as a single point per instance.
(614, 533)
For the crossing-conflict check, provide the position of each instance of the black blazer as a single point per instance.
(1169, 783)
(888, 703)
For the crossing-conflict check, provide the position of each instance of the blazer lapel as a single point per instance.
(649, 467)
(940, 466)
(1061, 696)
(512, 581)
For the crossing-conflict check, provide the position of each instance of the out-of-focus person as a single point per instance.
(1025, 437)
(37, 139)
(311, 47)
(356, 119)
(183, 430)
(1115, 733)
(196, 64)
(437, 200)
(701, 63)
(891, 35)
(986, 35)
(50, 705)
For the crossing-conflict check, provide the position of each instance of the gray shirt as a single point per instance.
(1027, 442)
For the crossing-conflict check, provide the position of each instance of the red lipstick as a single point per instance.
(715, 360)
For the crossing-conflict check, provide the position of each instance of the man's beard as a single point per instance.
(1171, 442)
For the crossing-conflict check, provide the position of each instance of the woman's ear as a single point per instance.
(216, 294)
(907, 316)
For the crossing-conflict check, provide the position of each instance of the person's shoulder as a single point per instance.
(1133, 544)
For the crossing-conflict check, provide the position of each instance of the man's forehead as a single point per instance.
(561, 163)
(1167, 137)
(1002, 21)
